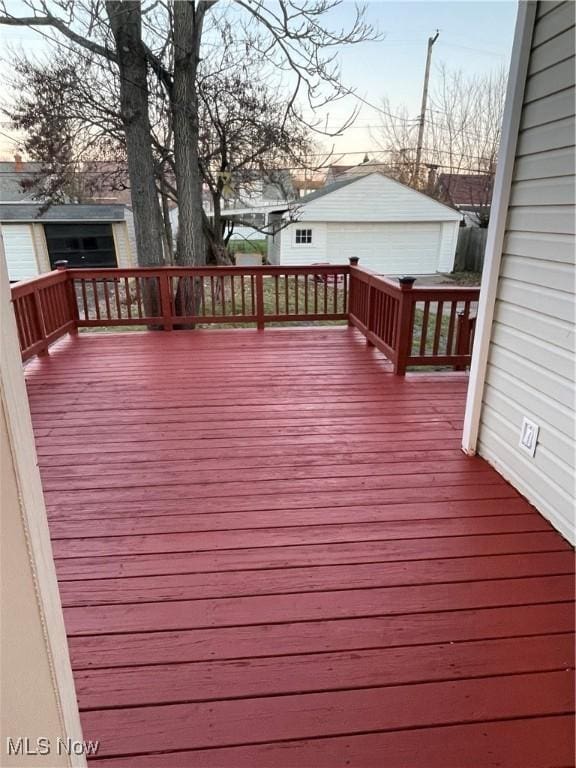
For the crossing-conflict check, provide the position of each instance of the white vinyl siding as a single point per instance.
(376, 198)
(293, 254)
(20, 253)
(531, 359)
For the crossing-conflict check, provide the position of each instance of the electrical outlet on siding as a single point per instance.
(528, 436)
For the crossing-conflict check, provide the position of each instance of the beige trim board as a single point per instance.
(34, 646)
(495, 240)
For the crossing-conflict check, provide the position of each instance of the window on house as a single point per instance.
(303, 236)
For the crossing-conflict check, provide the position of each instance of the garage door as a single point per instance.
(392, 249)
(81, 245)
(19, 247)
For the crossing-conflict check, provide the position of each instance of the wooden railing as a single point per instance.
(45, 309)
(429, 326)
(174, 296)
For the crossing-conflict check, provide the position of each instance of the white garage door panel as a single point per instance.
(387, 248)
(19, 248)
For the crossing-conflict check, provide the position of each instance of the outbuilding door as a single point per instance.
(81, 245)
(20, 253)
(398, 248)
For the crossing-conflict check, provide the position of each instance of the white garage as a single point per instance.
(392, 228)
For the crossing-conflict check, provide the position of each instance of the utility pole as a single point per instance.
(431, 41)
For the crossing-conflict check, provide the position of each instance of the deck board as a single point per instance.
(272, 552)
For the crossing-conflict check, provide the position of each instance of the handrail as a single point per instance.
(412, 326)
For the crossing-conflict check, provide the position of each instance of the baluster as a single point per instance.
(438, 329)
(232, 296)
(243, 297)
(117, 297)
(138, 296)
(128, 298)
(296, 294)
(451, 322)
(259, 302)
(424, 329)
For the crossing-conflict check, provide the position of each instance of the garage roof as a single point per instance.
(29, 212)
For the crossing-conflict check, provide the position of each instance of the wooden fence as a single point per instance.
(470, 249)
(412, 326)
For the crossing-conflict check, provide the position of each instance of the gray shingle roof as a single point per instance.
(69, 212)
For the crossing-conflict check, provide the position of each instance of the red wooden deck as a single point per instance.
(272, 553)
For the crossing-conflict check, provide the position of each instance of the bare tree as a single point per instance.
(114, 39)
(294, 39)
(462, 135)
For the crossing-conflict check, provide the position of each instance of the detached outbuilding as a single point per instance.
(392, 228)
(95, 235)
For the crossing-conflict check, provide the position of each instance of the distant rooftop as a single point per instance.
(31, 211)
(464, 189)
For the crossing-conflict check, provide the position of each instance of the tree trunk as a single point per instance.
(190, 248)
(168, 236)
(126, 24)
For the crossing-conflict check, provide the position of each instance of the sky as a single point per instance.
(475, 37)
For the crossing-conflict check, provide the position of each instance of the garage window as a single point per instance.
(303, 236)
(82, 245)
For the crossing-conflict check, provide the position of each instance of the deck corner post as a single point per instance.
(405, 324)
(43, 351)
(72, 298)
(165, 303)
(259, 301)
(353, 263)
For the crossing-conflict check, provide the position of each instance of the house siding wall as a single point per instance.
(376, 198)
(531, 358)
(303, 254)
(386, 248)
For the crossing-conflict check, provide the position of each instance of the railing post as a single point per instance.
(405, 324)
(259, 301)
(40, 322)
(62, 266)
(165, 302)
(351, 292)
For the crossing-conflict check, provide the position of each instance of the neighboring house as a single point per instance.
(522, 375)
(392, 229)
(12, 176)
(97, 182)
(469, 193)
(335, 172)
(84, 235)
